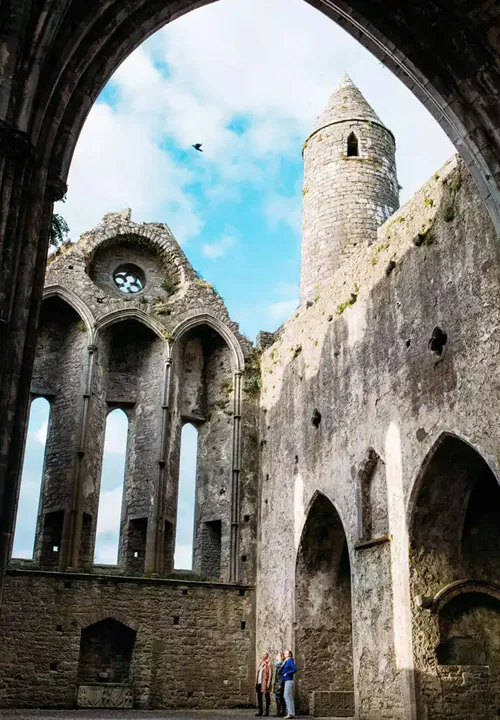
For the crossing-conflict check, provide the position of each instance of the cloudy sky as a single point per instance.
(246, 78)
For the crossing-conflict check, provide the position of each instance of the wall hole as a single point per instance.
(408, 342)
(54, 665)
(111, 490)
(438, 341)
(59, 628)
(246, 518)
(241, 593)
(176, 619)
(316, 418)
(184, 591)
(243, 625)
(243, 558)
(31, 479)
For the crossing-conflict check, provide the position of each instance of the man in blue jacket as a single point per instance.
(288, 671)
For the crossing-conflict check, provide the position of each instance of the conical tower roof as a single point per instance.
(346, 103)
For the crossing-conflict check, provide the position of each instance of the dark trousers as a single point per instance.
(259, 699)
(280, 703)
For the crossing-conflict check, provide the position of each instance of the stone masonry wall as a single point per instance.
(359, 355)
(193, 648)
(345, 199)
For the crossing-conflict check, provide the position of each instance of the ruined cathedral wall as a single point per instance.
(193, 648)
(359, 356)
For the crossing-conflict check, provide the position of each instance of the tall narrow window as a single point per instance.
(31, 480)
(183, 558)
(352, 146)
(110, 497)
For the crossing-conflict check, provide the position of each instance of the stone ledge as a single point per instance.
(365, 544)
(102, 577)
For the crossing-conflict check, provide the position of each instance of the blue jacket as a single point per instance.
(288, 670)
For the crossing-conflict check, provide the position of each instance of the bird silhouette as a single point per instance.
(197, 146)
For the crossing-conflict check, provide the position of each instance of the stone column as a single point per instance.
(26, 203)
(235, 480)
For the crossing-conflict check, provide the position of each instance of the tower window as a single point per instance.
(352, 146)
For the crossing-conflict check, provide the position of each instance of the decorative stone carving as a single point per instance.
(332, 704)
(105, 695)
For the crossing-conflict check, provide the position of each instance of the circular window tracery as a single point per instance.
(129, 279)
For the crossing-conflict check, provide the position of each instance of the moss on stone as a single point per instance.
(350, 301)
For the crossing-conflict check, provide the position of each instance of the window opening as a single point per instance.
(31, 480)
(111, 492)
(128, 279)
(183, 557)
(352, 146)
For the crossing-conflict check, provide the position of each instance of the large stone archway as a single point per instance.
(56, 56)
(454, 551)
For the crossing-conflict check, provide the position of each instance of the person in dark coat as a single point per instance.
(279, 686)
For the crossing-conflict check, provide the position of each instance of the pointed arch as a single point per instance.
(78, 305)
(106, 651)
(454, 545)
(221, 328)
(323, 608)
(132, 314)
(352, 145)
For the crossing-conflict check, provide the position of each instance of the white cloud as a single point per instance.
(183, 557)
(107, 552)
(280, 208)
(116, 433)
(40, 435)
(219, 248)
(280, 311)
(224, 62)
(110, 506)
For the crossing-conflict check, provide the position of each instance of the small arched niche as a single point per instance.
(352, 145)
(323, 611)
(106, 651)
(469, 631)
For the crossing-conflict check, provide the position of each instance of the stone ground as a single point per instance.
(124, 714)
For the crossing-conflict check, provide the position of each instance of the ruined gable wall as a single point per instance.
(359, 354)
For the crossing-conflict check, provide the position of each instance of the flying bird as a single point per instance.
(197, 146)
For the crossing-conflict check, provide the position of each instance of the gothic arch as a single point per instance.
(213, 322)
(131, 314)
(323, 609)
(418, 479)
(454, 547)
(78, 305)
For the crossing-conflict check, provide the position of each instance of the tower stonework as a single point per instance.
(350, 184)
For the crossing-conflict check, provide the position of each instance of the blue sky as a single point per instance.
(246, 78)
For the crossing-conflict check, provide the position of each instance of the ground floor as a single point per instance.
(124, 714)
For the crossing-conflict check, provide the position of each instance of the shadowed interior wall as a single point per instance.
(455, 536)
(323, 613)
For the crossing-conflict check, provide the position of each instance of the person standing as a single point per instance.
(288, 670)
(263, 684)
(279, 685)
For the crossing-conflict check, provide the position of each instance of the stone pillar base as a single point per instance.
(105, 695)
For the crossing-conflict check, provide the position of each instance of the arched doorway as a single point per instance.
(455, 561)
(323, 615)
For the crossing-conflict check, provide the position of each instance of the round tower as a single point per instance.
(350, 185)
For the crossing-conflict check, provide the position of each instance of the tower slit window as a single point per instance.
(352, 146)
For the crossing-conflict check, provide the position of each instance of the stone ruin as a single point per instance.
(347, 496)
